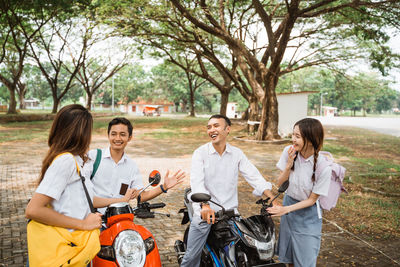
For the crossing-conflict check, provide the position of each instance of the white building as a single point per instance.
(231, 110)
(292, 107)
(329, 111)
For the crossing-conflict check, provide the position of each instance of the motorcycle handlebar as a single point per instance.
(223, 215)
(156, 205)
(145, 215)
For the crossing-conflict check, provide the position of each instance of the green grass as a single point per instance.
(374, 165)
(173, 135)
(336, 149)
(20, 131)
(371, 214)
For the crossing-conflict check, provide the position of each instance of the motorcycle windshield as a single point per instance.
(260, 226)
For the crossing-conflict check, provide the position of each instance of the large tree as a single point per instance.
(16, 29)
(307, 33)
(53, 45)
(158, 26)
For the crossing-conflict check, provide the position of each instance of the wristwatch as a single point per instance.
(162, 189)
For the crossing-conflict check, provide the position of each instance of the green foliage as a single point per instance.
(4, 94)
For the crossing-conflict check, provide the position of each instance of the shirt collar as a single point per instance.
(211, 149)
(303, 160)
(107, 154)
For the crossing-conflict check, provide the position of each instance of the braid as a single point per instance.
(295, 160)
(315, 164)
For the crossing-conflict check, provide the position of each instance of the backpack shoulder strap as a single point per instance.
(96, 163)
(89, 200)
(326, 160)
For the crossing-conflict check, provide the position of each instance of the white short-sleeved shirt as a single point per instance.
(110, 176)
(300, 183)
(217, 175)
(62, 183)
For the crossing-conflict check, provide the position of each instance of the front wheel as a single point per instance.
(242, 260)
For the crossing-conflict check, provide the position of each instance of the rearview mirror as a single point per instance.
(200, 197)
(283, 186)
(154, 178)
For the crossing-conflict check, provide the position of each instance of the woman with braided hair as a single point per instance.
(301, 218)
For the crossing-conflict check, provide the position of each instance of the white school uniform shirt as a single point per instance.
(62, 183)
(217, 175)
(300, 183)
(110, 175)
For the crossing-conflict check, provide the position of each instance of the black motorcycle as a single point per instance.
(234, 240)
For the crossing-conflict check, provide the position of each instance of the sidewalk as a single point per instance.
(17, 183)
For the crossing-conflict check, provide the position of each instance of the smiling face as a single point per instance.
(297, 139)
(217, 130)
(119, 137)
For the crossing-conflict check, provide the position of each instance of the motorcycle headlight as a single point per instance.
(265, 249)
(250, 240)
(130, 249)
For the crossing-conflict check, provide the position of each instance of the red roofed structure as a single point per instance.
(148, 107)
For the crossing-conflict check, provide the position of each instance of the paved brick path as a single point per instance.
(17, 183)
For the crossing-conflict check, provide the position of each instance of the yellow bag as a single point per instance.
(52, 246)
(56, 246)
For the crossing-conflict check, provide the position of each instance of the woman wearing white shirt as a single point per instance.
(301, 221)
(60, 198)
(59, 182)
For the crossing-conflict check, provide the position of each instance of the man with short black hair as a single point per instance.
(215, 169)
(117, 173)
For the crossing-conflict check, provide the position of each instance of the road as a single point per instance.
(389, 126)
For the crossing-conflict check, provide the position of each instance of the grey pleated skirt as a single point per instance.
(299, 235)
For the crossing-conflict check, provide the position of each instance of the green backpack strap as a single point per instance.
(96, 163)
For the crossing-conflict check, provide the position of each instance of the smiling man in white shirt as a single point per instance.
(215, 171)
(117, 173)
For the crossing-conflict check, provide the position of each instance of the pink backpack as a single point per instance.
(336, 185)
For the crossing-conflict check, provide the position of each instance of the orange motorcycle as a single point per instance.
(124, 243)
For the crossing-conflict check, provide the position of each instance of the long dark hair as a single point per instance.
(311, 131)
(71, 132)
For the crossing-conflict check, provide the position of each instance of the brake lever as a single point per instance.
(160, 213)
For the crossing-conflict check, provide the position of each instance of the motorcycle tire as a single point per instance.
(242, 260)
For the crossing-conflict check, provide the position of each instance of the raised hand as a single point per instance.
(291, 156)
(176, 178)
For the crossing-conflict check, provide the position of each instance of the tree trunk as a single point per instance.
(268, 129)
(253, 114)
(192, 113)
(12, 106)
(89, 101)
(184, 104)
(224, 102)
(56, 102)
(21, 90)
(21, 102)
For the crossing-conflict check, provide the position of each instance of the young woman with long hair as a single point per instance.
(301, 216)
(60, 200)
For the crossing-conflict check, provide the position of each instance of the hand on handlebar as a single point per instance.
(208, 214)
(277, 210)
